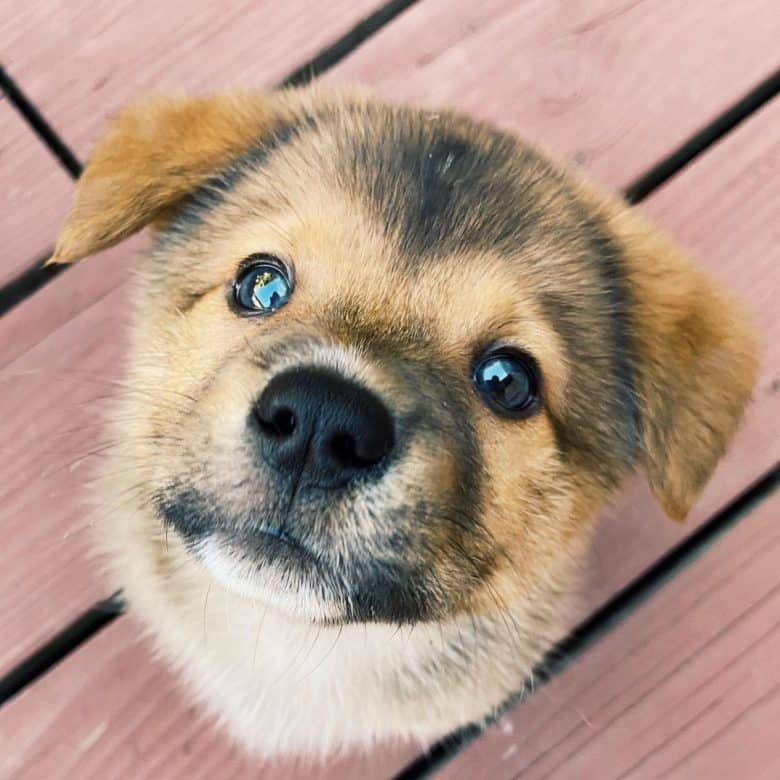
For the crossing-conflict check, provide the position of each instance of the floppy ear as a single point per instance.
(154, 152)
(696, 363)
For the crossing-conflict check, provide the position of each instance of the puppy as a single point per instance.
(387, 363)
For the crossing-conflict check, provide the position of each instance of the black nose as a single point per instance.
(321, 427)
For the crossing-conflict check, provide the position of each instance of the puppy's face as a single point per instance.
(388, 362)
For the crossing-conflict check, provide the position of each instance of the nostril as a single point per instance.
(343, 448)
(358, 454)
(280, 423)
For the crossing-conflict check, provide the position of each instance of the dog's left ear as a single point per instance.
(696, 362)
(153, 153)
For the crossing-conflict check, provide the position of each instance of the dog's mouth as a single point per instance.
(262, 560)
(308, 571)
(270, 546)
(282, 536)
(273, 567)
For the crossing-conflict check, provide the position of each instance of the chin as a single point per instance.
(281, 576)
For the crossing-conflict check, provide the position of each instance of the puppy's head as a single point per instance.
(388, 362)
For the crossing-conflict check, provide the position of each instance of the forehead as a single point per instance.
(433, 200)
(439, 183)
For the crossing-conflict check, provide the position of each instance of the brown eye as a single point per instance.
(263, 286)
(508, 381)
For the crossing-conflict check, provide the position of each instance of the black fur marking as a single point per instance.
(601, 428)
(187, 512)
(617, 291)
(432, 183)
(393, 592)
(434, 561)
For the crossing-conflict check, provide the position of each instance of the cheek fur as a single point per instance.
(529, 503)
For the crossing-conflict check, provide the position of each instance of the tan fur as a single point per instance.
(153, 153)
(274, 668)
(692, 337)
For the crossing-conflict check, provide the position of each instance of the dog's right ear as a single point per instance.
(153, 153)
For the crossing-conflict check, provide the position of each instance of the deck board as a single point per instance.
(687, 687)
(112, 710)
(83, 60)
(611, 84)
(34, 194)
(47, 575)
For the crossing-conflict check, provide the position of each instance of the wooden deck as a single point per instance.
(688, 684)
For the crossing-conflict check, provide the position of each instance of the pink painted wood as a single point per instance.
(612, 84)
(65, 299)
(46, 438)
(687, 687)
(112, 710)
(34, 194)
(79, 61)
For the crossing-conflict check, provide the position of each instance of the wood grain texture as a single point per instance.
(612, 84)
(687, 687)
(112, 710)
(67, 297)
(49, 439)
(80, 61)
(34, 195)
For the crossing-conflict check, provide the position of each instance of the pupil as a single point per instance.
(507, 381)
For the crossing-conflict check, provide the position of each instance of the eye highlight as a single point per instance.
(509, 382)
(264, 285)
